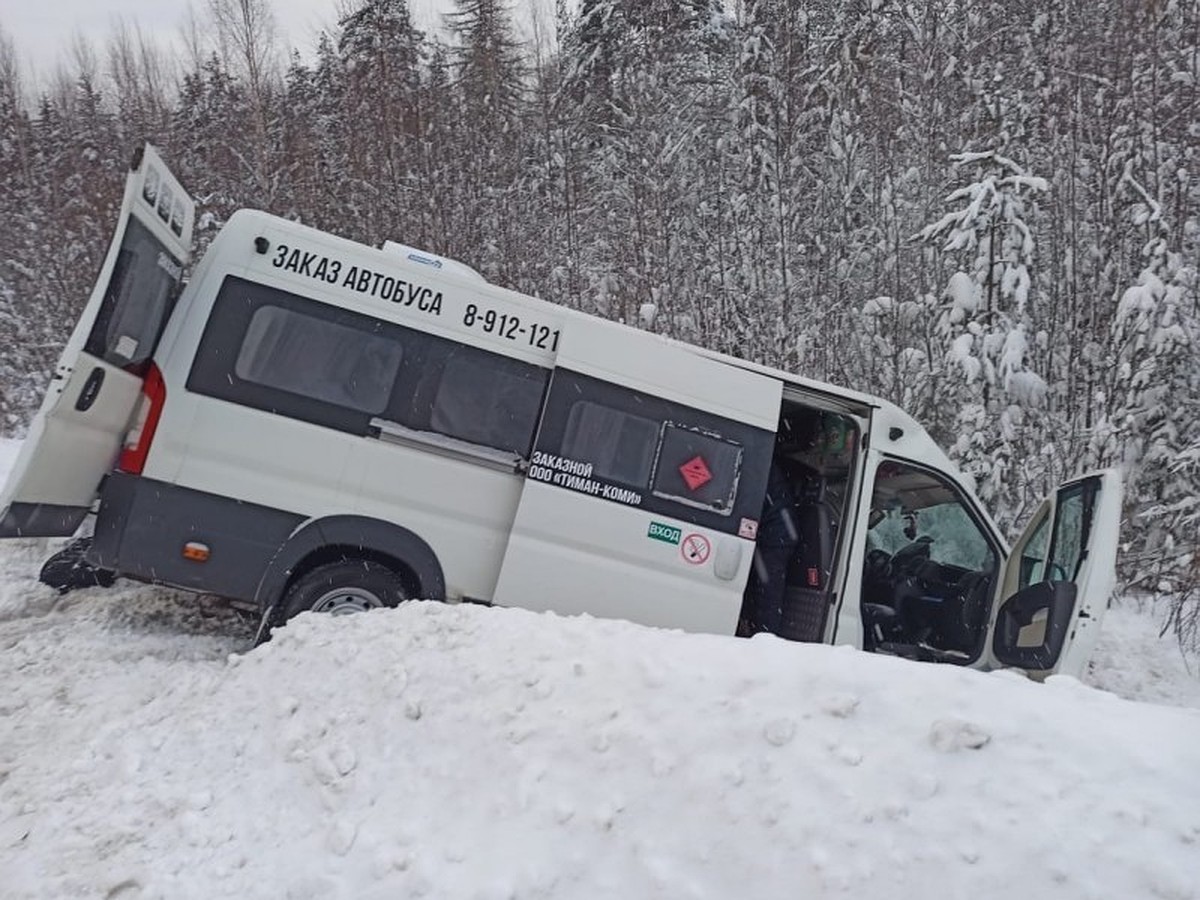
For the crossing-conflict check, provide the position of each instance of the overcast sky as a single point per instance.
(42, 30)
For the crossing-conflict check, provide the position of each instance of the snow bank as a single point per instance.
(436, 751)
(1133, 659)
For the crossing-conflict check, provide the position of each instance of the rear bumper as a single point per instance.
(143, 525)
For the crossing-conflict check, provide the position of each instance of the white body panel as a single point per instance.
(67, 451)
(458, 288)
(270, 461)
(463, 510)
(573, 554)
(1098, 579)
(576, 553)
(641, 360)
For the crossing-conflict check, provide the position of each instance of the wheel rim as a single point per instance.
(344, 601)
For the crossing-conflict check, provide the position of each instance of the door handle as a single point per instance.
(91, 390)
(728, 559)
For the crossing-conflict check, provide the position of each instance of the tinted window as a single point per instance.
(488, 399)
(296, 357)
(623, 446)
(138, 301)
(619, 445)
(319, 359)
(697, 469)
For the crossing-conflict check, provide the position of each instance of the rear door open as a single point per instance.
(1058, 579)
(76, 435)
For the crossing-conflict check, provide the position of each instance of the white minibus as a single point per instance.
(313, 424)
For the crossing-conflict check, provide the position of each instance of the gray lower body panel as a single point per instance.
(143, 525)
(41, 520)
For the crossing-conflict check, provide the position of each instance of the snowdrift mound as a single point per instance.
(436, 751)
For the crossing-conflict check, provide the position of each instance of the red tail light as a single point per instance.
(137, 442)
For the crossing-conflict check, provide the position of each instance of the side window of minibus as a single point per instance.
(471, 395)
(293, 356)
(681, 461)
(619, 445)
(672, 461)
(318, 359)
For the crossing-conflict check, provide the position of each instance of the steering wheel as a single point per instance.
(908, 559)
(974, 591)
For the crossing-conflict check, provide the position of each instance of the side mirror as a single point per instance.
(1031, 626)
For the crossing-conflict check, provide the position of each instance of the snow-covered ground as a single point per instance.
(1135, 662)
(436, 751)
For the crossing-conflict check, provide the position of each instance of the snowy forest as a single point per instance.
(986, 211)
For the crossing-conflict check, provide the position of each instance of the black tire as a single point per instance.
(346, 586)
(68, 569)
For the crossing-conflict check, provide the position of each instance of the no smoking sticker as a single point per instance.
(695, 549)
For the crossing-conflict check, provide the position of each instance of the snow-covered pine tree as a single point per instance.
(489, 87)
(212, 133)
(382, 53)
(986, 325)
(139, 74)
(25, 334)
(765, 195)
(245, 31)
(1157, 339)
(645, 74)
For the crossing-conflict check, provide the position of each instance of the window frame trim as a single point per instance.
(444, 445)
(727, 509)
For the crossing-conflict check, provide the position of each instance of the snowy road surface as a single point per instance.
(447, 752)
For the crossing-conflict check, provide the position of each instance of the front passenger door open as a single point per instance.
(1059, 578)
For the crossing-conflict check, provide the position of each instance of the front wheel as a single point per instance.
(343, 587)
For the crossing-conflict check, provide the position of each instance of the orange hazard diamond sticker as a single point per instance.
(695, 473)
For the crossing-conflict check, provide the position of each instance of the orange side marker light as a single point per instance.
(195, 551)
